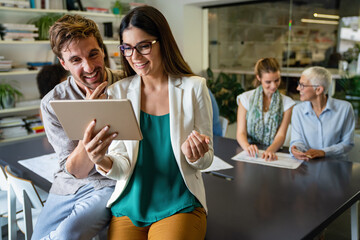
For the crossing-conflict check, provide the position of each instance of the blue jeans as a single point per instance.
(78, 216)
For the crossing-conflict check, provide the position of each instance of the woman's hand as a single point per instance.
(269, 155)
(314, 153)
(299, 154)
(195, 146)
(252, 150)
(96, 146)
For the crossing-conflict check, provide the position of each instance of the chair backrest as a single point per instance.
(224, 125)
(287, 137)
(3, 179)
(20, 185)
(354, 154)
(25, 192)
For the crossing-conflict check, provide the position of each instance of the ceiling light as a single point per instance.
(319, 15)
(305, 20)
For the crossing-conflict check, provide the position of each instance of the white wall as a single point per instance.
(188, 22)
(186, 25)
(213, 2)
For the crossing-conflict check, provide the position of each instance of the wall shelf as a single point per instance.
(15, 72)
(46, 42)
(19, 111)
(21, 52)
(17, 139)
(25, 42)
(59, 11)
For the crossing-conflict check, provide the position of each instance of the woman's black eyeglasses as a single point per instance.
(144, 48)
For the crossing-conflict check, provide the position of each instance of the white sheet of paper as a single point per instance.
(284, 160)
(44, 166)
(217, 164)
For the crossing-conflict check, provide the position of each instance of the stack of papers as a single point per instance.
(12, 127)
(217, 164)
(284, 160)
(44, 166)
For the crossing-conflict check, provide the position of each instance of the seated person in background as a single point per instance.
(49, 76)
(321, 125)
(263, 113)
(109, 62)
(217, 129)
(159, 192)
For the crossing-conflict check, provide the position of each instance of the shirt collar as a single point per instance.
(329, 106)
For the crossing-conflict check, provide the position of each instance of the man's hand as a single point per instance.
(98, 93)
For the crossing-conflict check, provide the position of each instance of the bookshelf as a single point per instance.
(21, 52)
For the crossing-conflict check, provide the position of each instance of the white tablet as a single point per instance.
(75, 116)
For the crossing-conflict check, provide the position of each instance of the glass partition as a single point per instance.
(289, 31)
(298, 33)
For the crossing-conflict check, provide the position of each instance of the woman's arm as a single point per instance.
(280, 136)
(241, 132)
(198, 147)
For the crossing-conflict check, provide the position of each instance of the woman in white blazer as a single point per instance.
(159, 192)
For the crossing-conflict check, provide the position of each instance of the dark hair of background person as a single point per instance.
(265, 65)
(48, 77)
(106, 58)
(151, 21)
(69, 28)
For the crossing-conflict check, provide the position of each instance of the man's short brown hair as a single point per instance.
(71, 28)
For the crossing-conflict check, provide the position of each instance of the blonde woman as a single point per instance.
(264, 113)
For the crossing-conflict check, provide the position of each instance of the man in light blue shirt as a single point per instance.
(321, 125)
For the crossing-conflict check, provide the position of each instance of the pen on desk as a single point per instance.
(256, 155)
(226, 177)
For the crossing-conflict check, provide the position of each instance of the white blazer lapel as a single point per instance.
(175, 105)
(134, 95)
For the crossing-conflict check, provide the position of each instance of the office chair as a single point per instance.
(3, 199)
(31, 198)
(25, 192)
(354, 153)
(224, 125)
(287, 137)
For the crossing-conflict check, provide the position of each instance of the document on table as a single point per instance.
(284, 160)
(217, 164)
(44, 166)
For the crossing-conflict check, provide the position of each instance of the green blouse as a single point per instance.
(156, 189)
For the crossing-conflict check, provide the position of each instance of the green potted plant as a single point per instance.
(225, 89)
(43, 23)
(8, 94)
(117, 8)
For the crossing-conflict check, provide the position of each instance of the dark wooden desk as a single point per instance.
(10, 155)
(265, 202)
(261, 202)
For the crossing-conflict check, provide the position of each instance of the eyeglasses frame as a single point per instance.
(135, 47)
(305, 85)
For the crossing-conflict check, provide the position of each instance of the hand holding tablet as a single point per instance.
(118, 114)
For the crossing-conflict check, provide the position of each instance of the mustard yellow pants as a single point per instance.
(181, 226)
